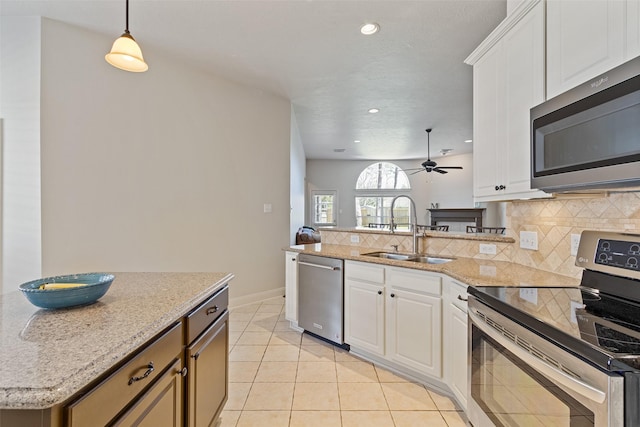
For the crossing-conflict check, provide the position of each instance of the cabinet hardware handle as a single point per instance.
(293, 259)
(462, 299)
(145, 375)
(212, 310)
(392, 295)
(183, 372)
(379, 292)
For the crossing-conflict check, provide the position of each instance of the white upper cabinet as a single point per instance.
(633, 28)
(588, 38)
(508, 79)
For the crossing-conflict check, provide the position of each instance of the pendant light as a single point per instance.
(125, 52)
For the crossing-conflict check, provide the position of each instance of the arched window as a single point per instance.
(376, 187)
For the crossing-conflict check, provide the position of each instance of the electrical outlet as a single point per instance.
(487, 249)
(529, 294)
(529, 240)
(575, 242)
(355, 238)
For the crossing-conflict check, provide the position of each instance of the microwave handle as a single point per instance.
(571, 383)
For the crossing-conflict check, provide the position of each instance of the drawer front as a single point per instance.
(415, 280)
(101, 404)
(206, 314)
(457, 293)
(372, 273)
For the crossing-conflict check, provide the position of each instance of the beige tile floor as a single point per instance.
(279, 377)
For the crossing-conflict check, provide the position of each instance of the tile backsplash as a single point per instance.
(554, 221)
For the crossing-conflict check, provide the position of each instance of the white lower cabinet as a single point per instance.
(291, 286)
(364, 306)
(395, 313)
(456, 362)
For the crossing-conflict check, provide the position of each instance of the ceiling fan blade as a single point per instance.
(412, 169)
(418, 171)
(440, 170)
(450, 167)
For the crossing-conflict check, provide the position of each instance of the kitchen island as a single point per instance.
(48, 357)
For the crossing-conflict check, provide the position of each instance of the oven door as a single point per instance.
(520, 379)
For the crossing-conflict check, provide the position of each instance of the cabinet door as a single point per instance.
(364, 316)
(488, 96)
(207, 379)
(457, 353)
(415, 331)
(633, 29)
(161, 405)
(523, 48)
(584, 39)
(291, 286)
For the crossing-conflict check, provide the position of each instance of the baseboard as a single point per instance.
(258, 297)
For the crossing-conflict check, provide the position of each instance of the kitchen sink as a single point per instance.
(431, 260)
(409, 257)
(390, 255)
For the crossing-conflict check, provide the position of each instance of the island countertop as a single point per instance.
(46, 356)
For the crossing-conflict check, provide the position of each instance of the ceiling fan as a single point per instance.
(429, 165)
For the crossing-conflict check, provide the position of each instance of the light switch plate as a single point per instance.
(529, 240)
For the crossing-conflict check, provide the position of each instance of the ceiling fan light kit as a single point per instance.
(125, 53)
(429, 165)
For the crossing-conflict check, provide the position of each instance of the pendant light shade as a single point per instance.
(125, 52)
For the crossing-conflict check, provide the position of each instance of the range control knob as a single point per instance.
(632, 263)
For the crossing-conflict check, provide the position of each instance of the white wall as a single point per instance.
(20, 110)
(297, 180)
(167, 170)
(452, 190)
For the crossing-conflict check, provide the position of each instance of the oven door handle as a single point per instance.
(571, 383)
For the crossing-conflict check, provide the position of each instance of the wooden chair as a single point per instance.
(491, 230)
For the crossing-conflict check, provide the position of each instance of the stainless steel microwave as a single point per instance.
(589, 137)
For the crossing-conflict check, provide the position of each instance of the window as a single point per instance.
(324, 207)
(376, 187)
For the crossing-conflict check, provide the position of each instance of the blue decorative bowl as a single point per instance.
(92, 287)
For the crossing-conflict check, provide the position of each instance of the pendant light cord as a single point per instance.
(126, 29)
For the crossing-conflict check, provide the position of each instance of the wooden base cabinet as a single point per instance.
(161, 405)
(207, 360)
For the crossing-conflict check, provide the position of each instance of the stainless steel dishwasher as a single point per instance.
(320, 296)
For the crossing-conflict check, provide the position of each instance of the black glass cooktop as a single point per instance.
(598, 327)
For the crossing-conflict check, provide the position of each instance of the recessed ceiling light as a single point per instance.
(468, 141)
(369, 29)
(356, 141)
(374, 110)
(339, 150)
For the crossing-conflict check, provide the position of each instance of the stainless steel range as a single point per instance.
(561, 356)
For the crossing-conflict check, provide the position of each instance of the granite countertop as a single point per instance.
(46, 356)
(474, 272)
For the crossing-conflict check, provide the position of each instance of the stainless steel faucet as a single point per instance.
(414, 225)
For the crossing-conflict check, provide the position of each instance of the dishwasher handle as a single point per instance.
(325, 267)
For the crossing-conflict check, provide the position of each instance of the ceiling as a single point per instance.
(312, 53)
